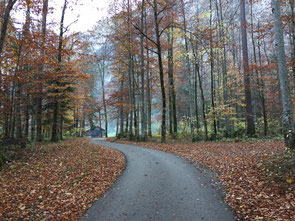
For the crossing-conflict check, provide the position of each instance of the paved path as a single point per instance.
(158, 186)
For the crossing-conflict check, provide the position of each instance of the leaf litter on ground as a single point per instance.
(57, 181)
(244, 170)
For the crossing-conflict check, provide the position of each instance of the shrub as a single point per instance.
(280, 167)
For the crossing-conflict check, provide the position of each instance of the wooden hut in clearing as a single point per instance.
(96, 132)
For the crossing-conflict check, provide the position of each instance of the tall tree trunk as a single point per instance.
(260, 83)
(18, 99)
(18, 68)
(121, 104)
(161, 71)
(171, 89)
(188, 70)
(130, 79)
(196, 70)
(288, 120)
(33, 120)
(149, 97)
(143, 114)
(212, 75)
(54, 137)
(148, 84)
(196, 97)
(40, 79)
(135, 109)
(249, 108)
(61, 122)
(224, 65)
(104, 98)
(262, 97)
(203, 103)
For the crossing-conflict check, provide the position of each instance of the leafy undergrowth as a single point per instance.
(57, 181)
(244, 169)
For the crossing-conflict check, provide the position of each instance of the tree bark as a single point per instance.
(54, 135)
(249, 108)
(188, 70)
(172, 97)
(203, 103)
(161, 71)
(39, 78)
(143, 114)
(288, 120)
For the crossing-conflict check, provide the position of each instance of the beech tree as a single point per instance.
(249, 108)
(203, 70)
(288, 120)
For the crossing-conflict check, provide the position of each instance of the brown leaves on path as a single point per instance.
(239, 167)
(57, 181)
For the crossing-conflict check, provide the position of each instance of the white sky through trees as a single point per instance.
(89, 12)
(86, 13)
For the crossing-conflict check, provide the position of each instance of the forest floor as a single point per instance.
(57, 181)
(258, 177)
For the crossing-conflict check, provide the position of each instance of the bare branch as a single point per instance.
(141, 32)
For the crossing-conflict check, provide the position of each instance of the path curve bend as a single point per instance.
(158, 186)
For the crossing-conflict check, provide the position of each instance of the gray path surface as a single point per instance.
(158, 186)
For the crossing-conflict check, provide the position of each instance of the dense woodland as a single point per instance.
(203, 69)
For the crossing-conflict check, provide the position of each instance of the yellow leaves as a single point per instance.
(289, 180)
(205, 14)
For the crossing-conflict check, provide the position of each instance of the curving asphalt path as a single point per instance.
(158, 186)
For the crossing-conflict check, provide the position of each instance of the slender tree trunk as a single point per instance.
(18, 98)
(61, 122)
(260, 83)
(33, 121)
(134, 103)
(212, 75)
(117, 127)
(249, 108)
(203, 103)
(148, 84)
(143, 114)
(224, 65)
(171, 89)
(149, 98)
(188, 70)
(196, 98)
(121, 106)
(39, 78)
(130, 106)
(161, 71)
(104, 98)
(288, 120)
(56, 108)
(262, 97)
(196, 69)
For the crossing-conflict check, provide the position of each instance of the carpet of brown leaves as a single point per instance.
(57, 181)
(239, 167)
